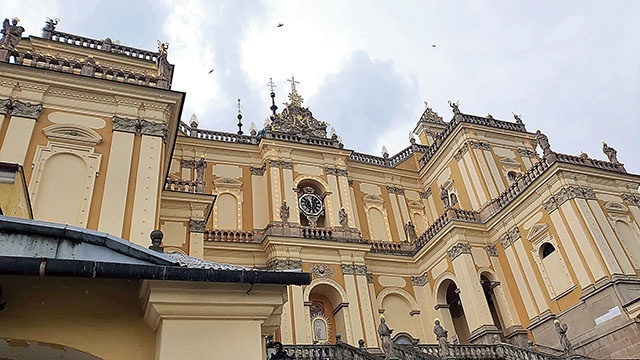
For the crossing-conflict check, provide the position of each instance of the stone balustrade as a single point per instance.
(220, 235)
(187, 186)
(339, 351)
(103, 45)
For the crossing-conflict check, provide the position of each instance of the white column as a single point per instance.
(289, 195)
(276, 192)
(259, 199)
(476, 309)
(353, 309)
(116, 185)
(143, 217)
(17, 139)
(566, 241)
(333, 208)
(301, 316)
(367, 312)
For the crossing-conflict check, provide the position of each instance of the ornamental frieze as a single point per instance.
(20, 108)
(480, 145)
(321, 271)
(460, 153)
(631, 199)
(139, 126)
(492, 250)
(280, 164)
(258, 171)
(354, 269)
(197, 226)
(421, 280)
(568, 193)
(510, 237)
(395, 190)
(284, 264)
(527, 152)
(459, 249)
(425, 194)
(336, 171)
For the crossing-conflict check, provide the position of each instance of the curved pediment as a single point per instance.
(227, 183)
(72, 133)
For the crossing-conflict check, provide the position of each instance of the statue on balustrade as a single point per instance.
(11, 34)
(385, 337)
(444, 196)
(562, 329)
(344, 218)
(443, 342)
(411, 231)
(284, 212)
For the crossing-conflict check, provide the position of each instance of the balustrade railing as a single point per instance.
(221, 235)
(103, 45)
(188, 186)
(316, 233)
(489, 351)
(339, 351)
(587, 161)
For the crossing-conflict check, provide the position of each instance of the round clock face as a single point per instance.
(310, 204)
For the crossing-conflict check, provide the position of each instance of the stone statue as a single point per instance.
(517, 118)
(385, 336)
(284, 212)
(11, 34)
(455, 107)
(611, 153)
(561, 329)
(164, 68)
(201, 164)
(543, 141)
(441, 337)
(344, 219)
(49, 27)
(411, 230)
(444, 196)
(280, 354)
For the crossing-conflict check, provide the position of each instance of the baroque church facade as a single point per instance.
(469, 224)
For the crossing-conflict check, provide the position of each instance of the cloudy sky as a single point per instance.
(571, 68)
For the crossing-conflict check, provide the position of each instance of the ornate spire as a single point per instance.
(296, 119)
(272, 86)
(239, 118)
(294, 97)
(193, 121)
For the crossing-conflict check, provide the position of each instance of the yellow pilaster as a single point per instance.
(17, 139)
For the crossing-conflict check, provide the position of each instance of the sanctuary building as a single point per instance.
(283, 233)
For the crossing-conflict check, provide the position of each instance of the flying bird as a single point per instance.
(210, 71)
(434, 45)
(280, 25)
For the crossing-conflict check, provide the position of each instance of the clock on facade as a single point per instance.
(310, 204)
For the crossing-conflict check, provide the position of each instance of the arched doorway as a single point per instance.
(326, 314)
(449, 298)
(488, 287)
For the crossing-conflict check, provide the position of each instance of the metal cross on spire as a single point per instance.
(271, 84)
(293, 83)
(239, 107)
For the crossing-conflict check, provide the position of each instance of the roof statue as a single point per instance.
(455, 107)
(611, 153)
(11, 34)
(296, 119)
(49, 27)
(430, 116)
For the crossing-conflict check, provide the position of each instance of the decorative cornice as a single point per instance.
(492, 250)
(460, 153)
(336, 171)
(631, 199)
(153, 128)
(354, 269)
(258, 171)
(284, 264)
(197, 226)
(425, 194)
(459, 249)
(20, 108)
(321, 271)
(395, 190)
(480, 145)
(510, 237)
(420, 280)
(568, 193)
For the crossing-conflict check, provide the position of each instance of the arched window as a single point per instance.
(546, 249)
